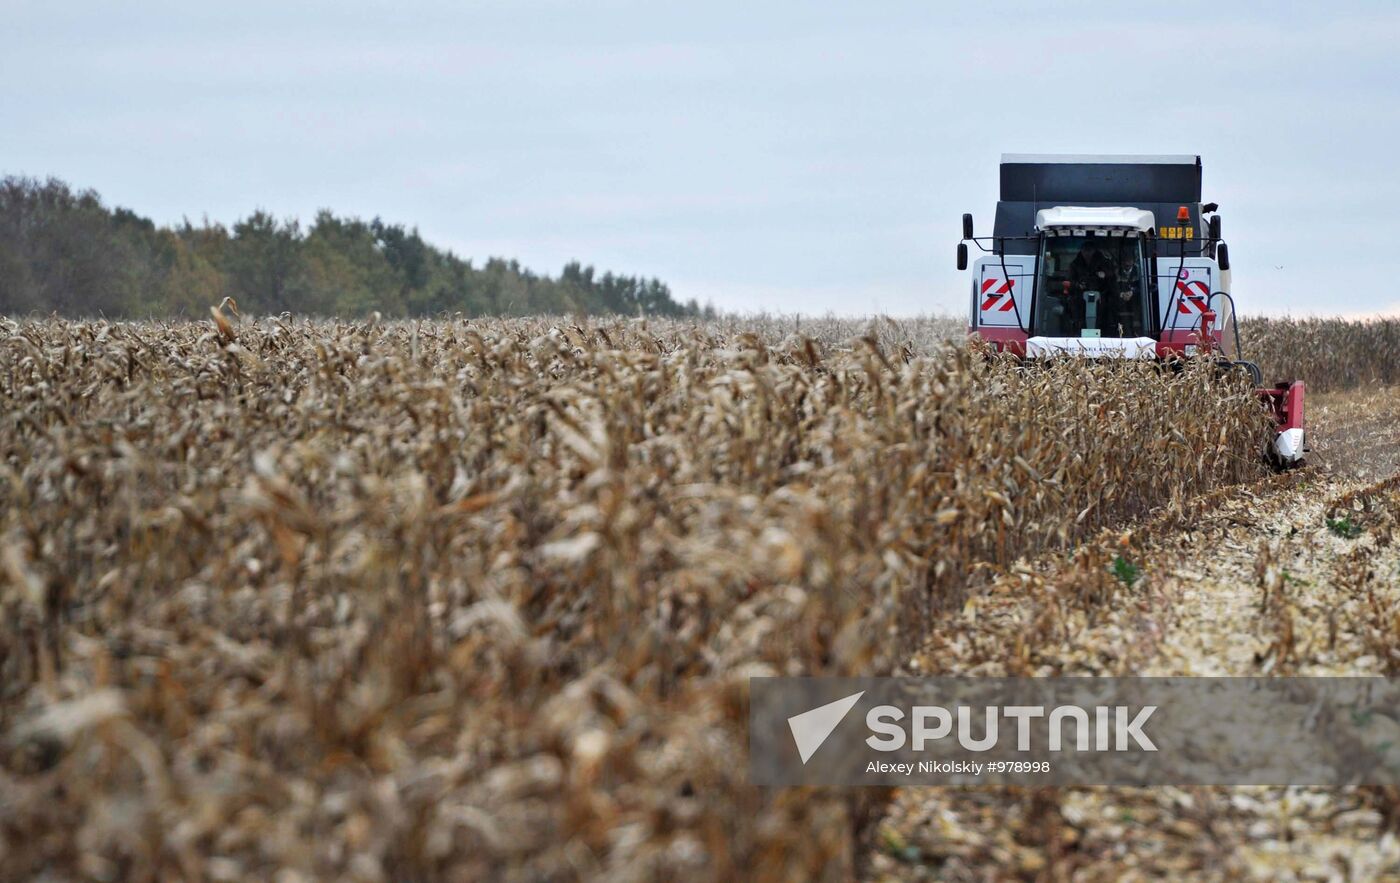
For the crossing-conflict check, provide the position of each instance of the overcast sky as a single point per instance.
(783, 156)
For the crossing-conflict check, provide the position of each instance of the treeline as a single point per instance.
(63, 251)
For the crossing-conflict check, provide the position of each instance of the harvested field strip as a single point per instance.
(482, 599)
(1070, 614)
(1356, 434)
(1260, 580)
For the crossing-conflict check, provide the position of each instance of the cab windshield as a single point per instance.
(1093, 286)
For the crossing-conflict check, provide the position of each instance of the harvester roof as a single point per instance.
(1031, 183)
(1095, 217)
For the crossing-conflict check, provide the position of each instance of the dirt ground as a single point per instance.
(1277, 591)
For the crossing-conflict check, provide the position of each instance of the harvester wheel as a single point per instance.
(1255, 374)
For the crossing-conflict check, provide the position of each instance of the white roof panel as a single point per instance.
(1078, 216)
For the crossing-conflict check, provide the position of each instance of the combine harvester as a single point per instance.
(1113, 257)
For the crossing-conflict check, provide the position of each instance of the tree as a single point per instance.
(64, 251)
(265, 265)
(188, 284)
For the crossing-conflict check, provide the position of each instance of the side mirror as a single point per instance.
(962, 255)
(1213, 227)
(967, 226)
(1222, 256)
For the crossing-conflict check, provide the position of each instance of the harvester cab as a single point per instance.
(1113, 257)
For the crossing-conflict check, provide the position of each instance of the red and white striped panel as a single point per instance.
(1186, 294)
(1002, 299)
(998, 296)
(1193, 298)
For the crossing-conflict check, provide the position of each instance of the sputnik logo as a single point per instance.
(811, 728)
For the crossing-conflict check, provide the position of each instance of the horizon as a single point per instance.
(781, 159)
(480, 261)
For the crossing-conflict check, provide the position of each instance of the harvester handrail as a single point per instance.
(1167, 317)
(1006, 274)
(977, 240)
(1234, 318)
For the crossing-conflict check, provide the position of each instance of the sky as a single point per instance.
(787, 156)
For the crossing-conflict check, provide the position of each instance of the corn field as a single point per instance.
(1330, 354)
(480, 599)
